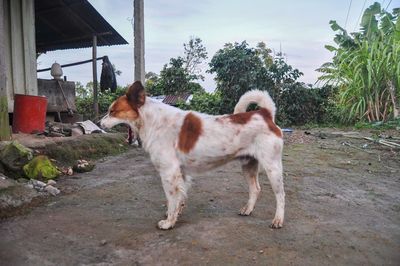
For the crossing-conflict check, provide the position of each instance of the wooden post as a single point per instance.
(138, 16)
(94, 65)
(5, 133)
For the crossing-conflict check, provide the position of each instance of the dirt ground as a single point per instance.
(342, 208)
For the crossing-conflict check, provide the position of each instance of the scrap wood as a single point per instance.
(383, 142)
(355, 147)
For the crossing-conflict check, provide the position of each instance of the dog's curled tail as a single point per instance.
(261, 98)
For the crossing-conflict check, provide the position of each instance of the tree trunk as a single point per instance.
(396, 108)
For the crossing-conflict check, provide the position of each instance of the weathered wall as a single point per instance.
(19, 22)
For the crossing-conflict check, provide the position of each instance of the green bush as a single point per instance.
(84, 100)
(209, 103)
(300, 105)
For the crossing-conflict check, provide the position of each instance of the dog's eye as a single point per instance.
(111, 112)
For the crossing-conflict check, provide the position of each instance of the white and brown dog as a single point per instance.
(183, 142)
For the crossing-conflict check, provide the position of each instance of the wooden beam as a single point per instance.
(95, 93)
(88, 38)
(138, 16)
(5, 133)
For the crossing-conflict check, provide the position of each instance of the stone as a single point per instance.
(38, 183)
(13, 157)
(6, 182)
(41, 168)
(51, 182)
(52, 190)
(76, 131)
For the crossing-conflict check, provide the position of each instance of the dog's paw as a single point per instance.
(277, 223)
(165, 225)
(245, 211)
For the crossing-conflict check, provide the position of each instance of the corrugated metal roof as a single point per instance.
(66, 24)
(173, 99)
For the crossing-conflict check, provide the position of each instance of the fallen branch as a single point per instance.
(355, 147)
(383, 142)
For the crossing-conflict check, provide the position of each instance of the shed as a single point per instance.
(33, 27)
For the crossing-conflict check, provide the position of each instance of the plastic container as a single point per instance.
(29, 113)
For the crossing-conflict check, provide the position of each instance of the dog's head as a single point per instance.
(125, 110)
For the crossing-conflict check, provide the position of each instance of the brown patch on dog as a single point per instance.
(136, 95)
(241, 118)
(266, 114)
(244, 118)
(190, 132)
(122, 109)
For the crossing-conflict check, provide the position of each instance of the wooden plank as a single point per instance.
(94, 57)
(5, 133)
(138, 16)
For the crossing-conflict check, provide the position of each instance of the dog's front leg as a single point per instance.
(174, 188)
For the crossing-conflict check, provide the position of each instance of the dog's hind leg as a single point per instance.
(250, 171)
(270, 157)
(175, 191)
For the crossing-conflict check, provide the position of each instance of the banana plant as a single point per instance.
(366, 66)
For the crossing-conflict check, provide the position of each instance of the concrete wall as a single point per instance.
(19, 25)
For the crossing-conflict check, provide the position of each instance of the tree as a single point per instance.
(240, 68)
(366, 66)
(194, 54)
(152, 84)
(181, 74)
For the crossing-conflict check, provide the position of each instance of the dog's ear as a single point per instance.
(136, 94)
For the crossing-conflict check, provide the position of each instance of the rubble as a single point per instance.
(40, 186)
(52, 190)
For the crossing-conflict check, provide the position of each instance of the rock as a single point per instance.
(13, 157)
(6, 182)
(76, 131)
(51, 182)
(103, 242)
(41, 168)
(37, 183)
(52, 190)
(14, 195)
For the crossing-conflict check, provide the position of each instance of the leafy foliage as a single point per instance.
(84, 101)
(204, 102)
(240, 68)
(194, 55)
(366, 66)
(180, 74)
(304, 105)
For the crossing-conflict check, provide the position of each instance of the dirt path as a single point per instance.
(343, 207)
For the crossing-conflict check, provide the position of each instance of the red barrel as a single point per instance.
(29, 113)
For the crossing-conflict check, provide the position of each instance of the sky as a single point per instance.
(299, 29)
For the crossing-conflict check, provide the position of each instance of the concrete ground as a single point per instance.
(342, 208)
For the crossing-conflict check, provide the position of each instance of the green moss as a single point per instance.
(41, 168)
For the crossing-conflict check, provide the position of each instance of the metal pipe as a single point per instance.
(71, 64)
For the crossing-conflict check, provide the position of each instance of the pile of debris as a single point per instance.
(20, 163)
(56, 129)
